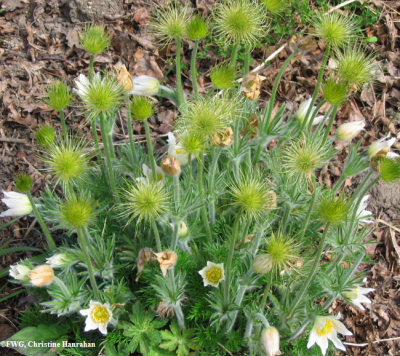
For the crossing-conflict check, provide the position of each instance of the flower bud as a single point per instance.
(41, 276)
(19, 271)
(144, 85)
(170, 165)
(381, 147)
(182, 229)
(223, 138)
(197, 28)
(58, 260)
(45, 136)
(23, 182)
(270, 339)
(123, 77)
(349, 130)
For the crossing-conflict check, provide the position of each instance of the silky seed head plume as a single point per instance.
(276, 6)
(239, 22)
(141, 108)
(45, 135)
(251, 194)
(335, 29)
(77, 211)
(389, 169)
(335, 91)
(23, 182)
(355, 66)
(101, 96)
(193, 144)
(197, 28)
(170, 23)
(333, 209)
(67, 160)
(95, 39)
(58, 95)
(303, 156)
(223, 76)
(144, 200)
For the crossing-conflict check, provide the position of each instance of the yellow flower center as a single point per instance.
(326, 329)
(214, 274)
(180, 151)
(159, 177)
(100, 314)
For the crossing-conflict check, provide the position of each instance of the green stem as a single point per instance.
(310, 209)
(190, 171)
(314, 114)
(265, 294)
(230, 257)
(150, 149)
(179, 88)
(130, 129)
(234, 55)
(339, 183)
(193, 69)
(311, 275)
(84, 242)
(316, 89)
(246, 65)
(328, 129)
(177, 204)
(109, 168)
(46, 232)
(156, 234)
(63, 124)
(91, 67)
(213, 170)
(201, 190)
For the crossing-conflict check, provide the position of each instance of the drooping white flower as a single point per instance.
(362, 213)
(326, 328)
(349, 130)
(212, 274)
(270, 339)
(41, 276)
(58, 260)
(18, 204)
(82, 84)
(98, 316)
(176, 150)
(144, 85)
(357, 296)
(380, 145)
(19, 271)
(302, 112)
(147, 174)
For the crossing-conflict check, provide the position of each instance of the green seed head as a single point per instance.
(333, 209)
(335, 91)
(223, 76)
(144, 201)
(77, 212)
(95, 39)
(58, 95)
(335, 29)
(197, 28)
(355, 66)
(170, 23)
(45, 135)
(141, 108)
(389, 168)
(193, 144)
(23, 182)
(239, 22)
(276, 6)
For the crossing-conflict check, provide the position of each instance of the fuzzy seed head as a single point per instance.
(275, 6)
(170, 23)
(223, 76)
(45, 135)
(252, 194)
(95, 39)
(335, 29)
(333, 209)
(193, 144)
(141, 108)
(335, 91)
(197, 28)
(304, 156)
(58, 95)
(23, 182)
(389, 169)
(145, 200)
(355, 66)
(77, 212)
(239, 22)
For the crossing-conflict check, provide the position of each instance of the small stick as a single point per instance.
(13, 140)
(373, 342)
(342, 4)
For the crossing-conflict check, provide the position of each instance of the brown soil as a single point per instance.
(39, 43)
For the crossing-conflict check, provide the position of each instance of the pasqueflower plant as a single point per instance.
(214, 227)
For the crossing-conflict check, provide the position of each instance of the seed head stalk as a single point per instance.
(234, 55)
(328, 129)
(200, 183)
(213, 170)
(177, 199)
(246, 65)
(130, 129)
(156, 234)
(150, 149)
(46, 232)
(91, 67)
(63, 124)
(193, 70)
(181, 98)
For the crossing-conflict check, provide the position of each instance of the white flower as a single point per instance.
(98, 316)
(144, 85)
(302, 112)
(362, 213)
(270, 339)
(41, 276)
(326, 328)
(147, 174)
(58, 260)
(357, 296)
(19, 271)
(17, 203)
(382, 144)
(349, 130)
(212, 274)
(176, 150)
(83, 84)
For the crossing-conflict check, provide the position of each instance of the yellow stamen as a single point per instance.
(214, 274)
(326, 329)
(100, 314)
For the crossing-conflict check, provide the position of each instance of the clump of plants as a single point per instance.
(218, 245)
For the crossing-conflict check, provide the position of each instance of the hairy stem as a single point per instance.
(181, 98)
(63, 124)
(193, 70)
(156, 234)
(150, 149)
(200, 183)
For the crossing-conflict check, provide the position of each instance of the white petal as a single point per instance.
(312, 339)
(338, 344)
(339, 327)
(322, 342)
(103, 328)
(84, 311)
(90, 324)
